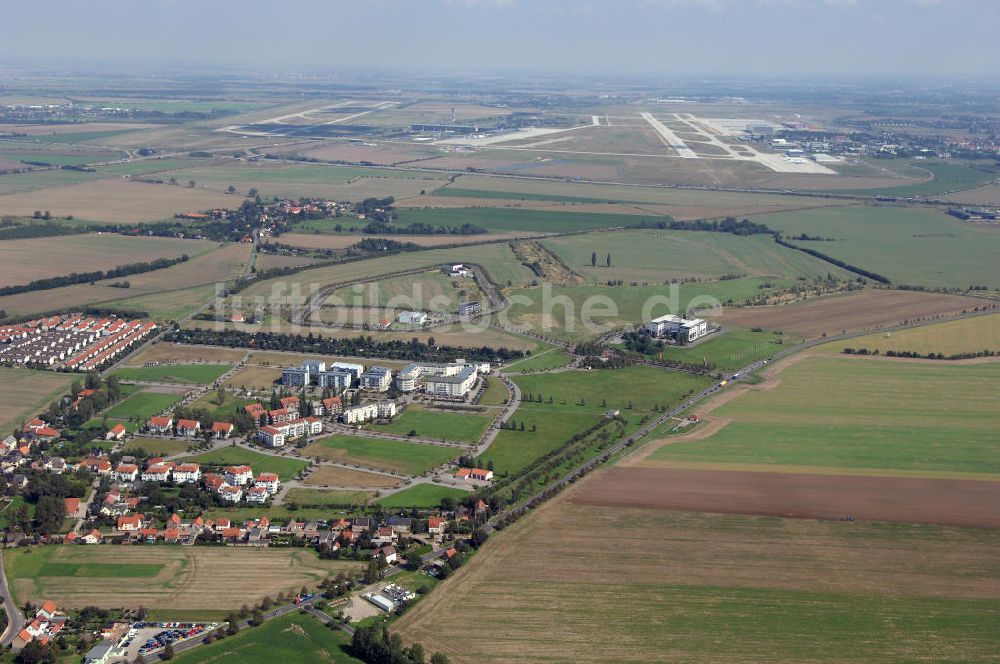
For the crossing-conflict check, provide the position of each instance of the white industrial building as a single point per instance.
(682, 329)
(412, 318)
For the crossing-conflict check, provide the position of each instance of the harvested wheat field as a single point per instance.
(681, 587)
(334, 476)
(967, 503)
(22, 261)
(116, 201)
(867, 310)
(181, 353)
(165, 577)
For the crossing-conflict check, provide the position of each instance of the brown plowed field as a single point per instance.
(867, 310)
(943, 502)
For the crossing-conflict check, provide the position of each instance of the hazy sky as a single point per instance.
(937, 38)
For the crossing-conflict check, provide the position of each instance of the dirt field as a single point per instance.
(191, 577)
(24, 392)
(868, 310)
(116, 201)
(255, 378)
(312, 241)
(942, 502)
(22, 261)
(685, 587)
(332, 476)
(161, 351)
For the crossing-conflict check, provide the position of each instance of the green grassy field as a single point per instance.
(730, 350)
(655, 255)
(14, 182)
(546, 357)
(291, 638)
(501, 220)
(327, 498)
(38, 562)
(948, 176)
(861, 414)
(80, 136)
(496, 393)
(558, 312)
(261, 463)
(432, 291)
(458, 192)
(141, 405)
(601, 390)
(406, 458)
(437, 424)
(421, 496)
(907, 245)
(194, 374)
(158, 446)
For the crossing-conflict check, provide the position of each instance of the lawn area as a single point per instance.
(559, 312)
(421, 496)
(948, 176)
(601, 390)
(660, 255)
(800, 591)
(390, 455)
(9, 506)
(227, 411)
(41, 562)
(159, 446)
(291, 638)
(194, 374)
(327, 498)
(25, 392)
(860, 415)
(431, 291)
(496, 393)
(261, 463)
(732, 349)
(443, 425)
(968, 335)
(546, 357)
(141, 405)
(907, 245)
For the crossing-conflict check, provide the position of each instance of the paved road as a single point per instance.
(15, 619)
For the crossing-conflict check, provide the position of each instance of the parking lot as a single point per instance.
(146, 638)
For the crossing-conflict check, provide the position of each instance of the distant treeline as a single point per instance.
(9, 231)
(87, 277)
(921, 356)
(874, 276)
(727, 225)
(419, 228)
(360, 346)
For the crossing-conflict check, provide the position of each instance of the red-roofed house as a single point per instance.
(130, 523)
(187, 473)
(332, 406)
(222, 430)
(93, 537)
(255, 410)
(126, 472)
(72, 506)
(117, 432)
(214, 482)
(389, 553)
(232, 494)
(257, 494)
(188, 427)
(159, 472)
(436, 525)
(269, 481)
(272, 436)
(474, 474)
(239, 475)
(279, 415)
(161, 424)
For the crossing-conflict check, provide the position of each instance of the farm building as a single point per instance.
(675, 327)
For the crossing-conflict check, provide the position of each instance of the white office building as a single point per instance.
(377, 379)
(681, 329)
(336, 379)
(296, 376)
(453, 385)
(412, 318)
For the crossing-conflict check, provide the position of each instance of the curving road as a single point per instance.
(15, 619)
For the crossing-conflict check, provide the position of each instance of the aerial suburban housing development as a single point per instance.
(411, 335)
